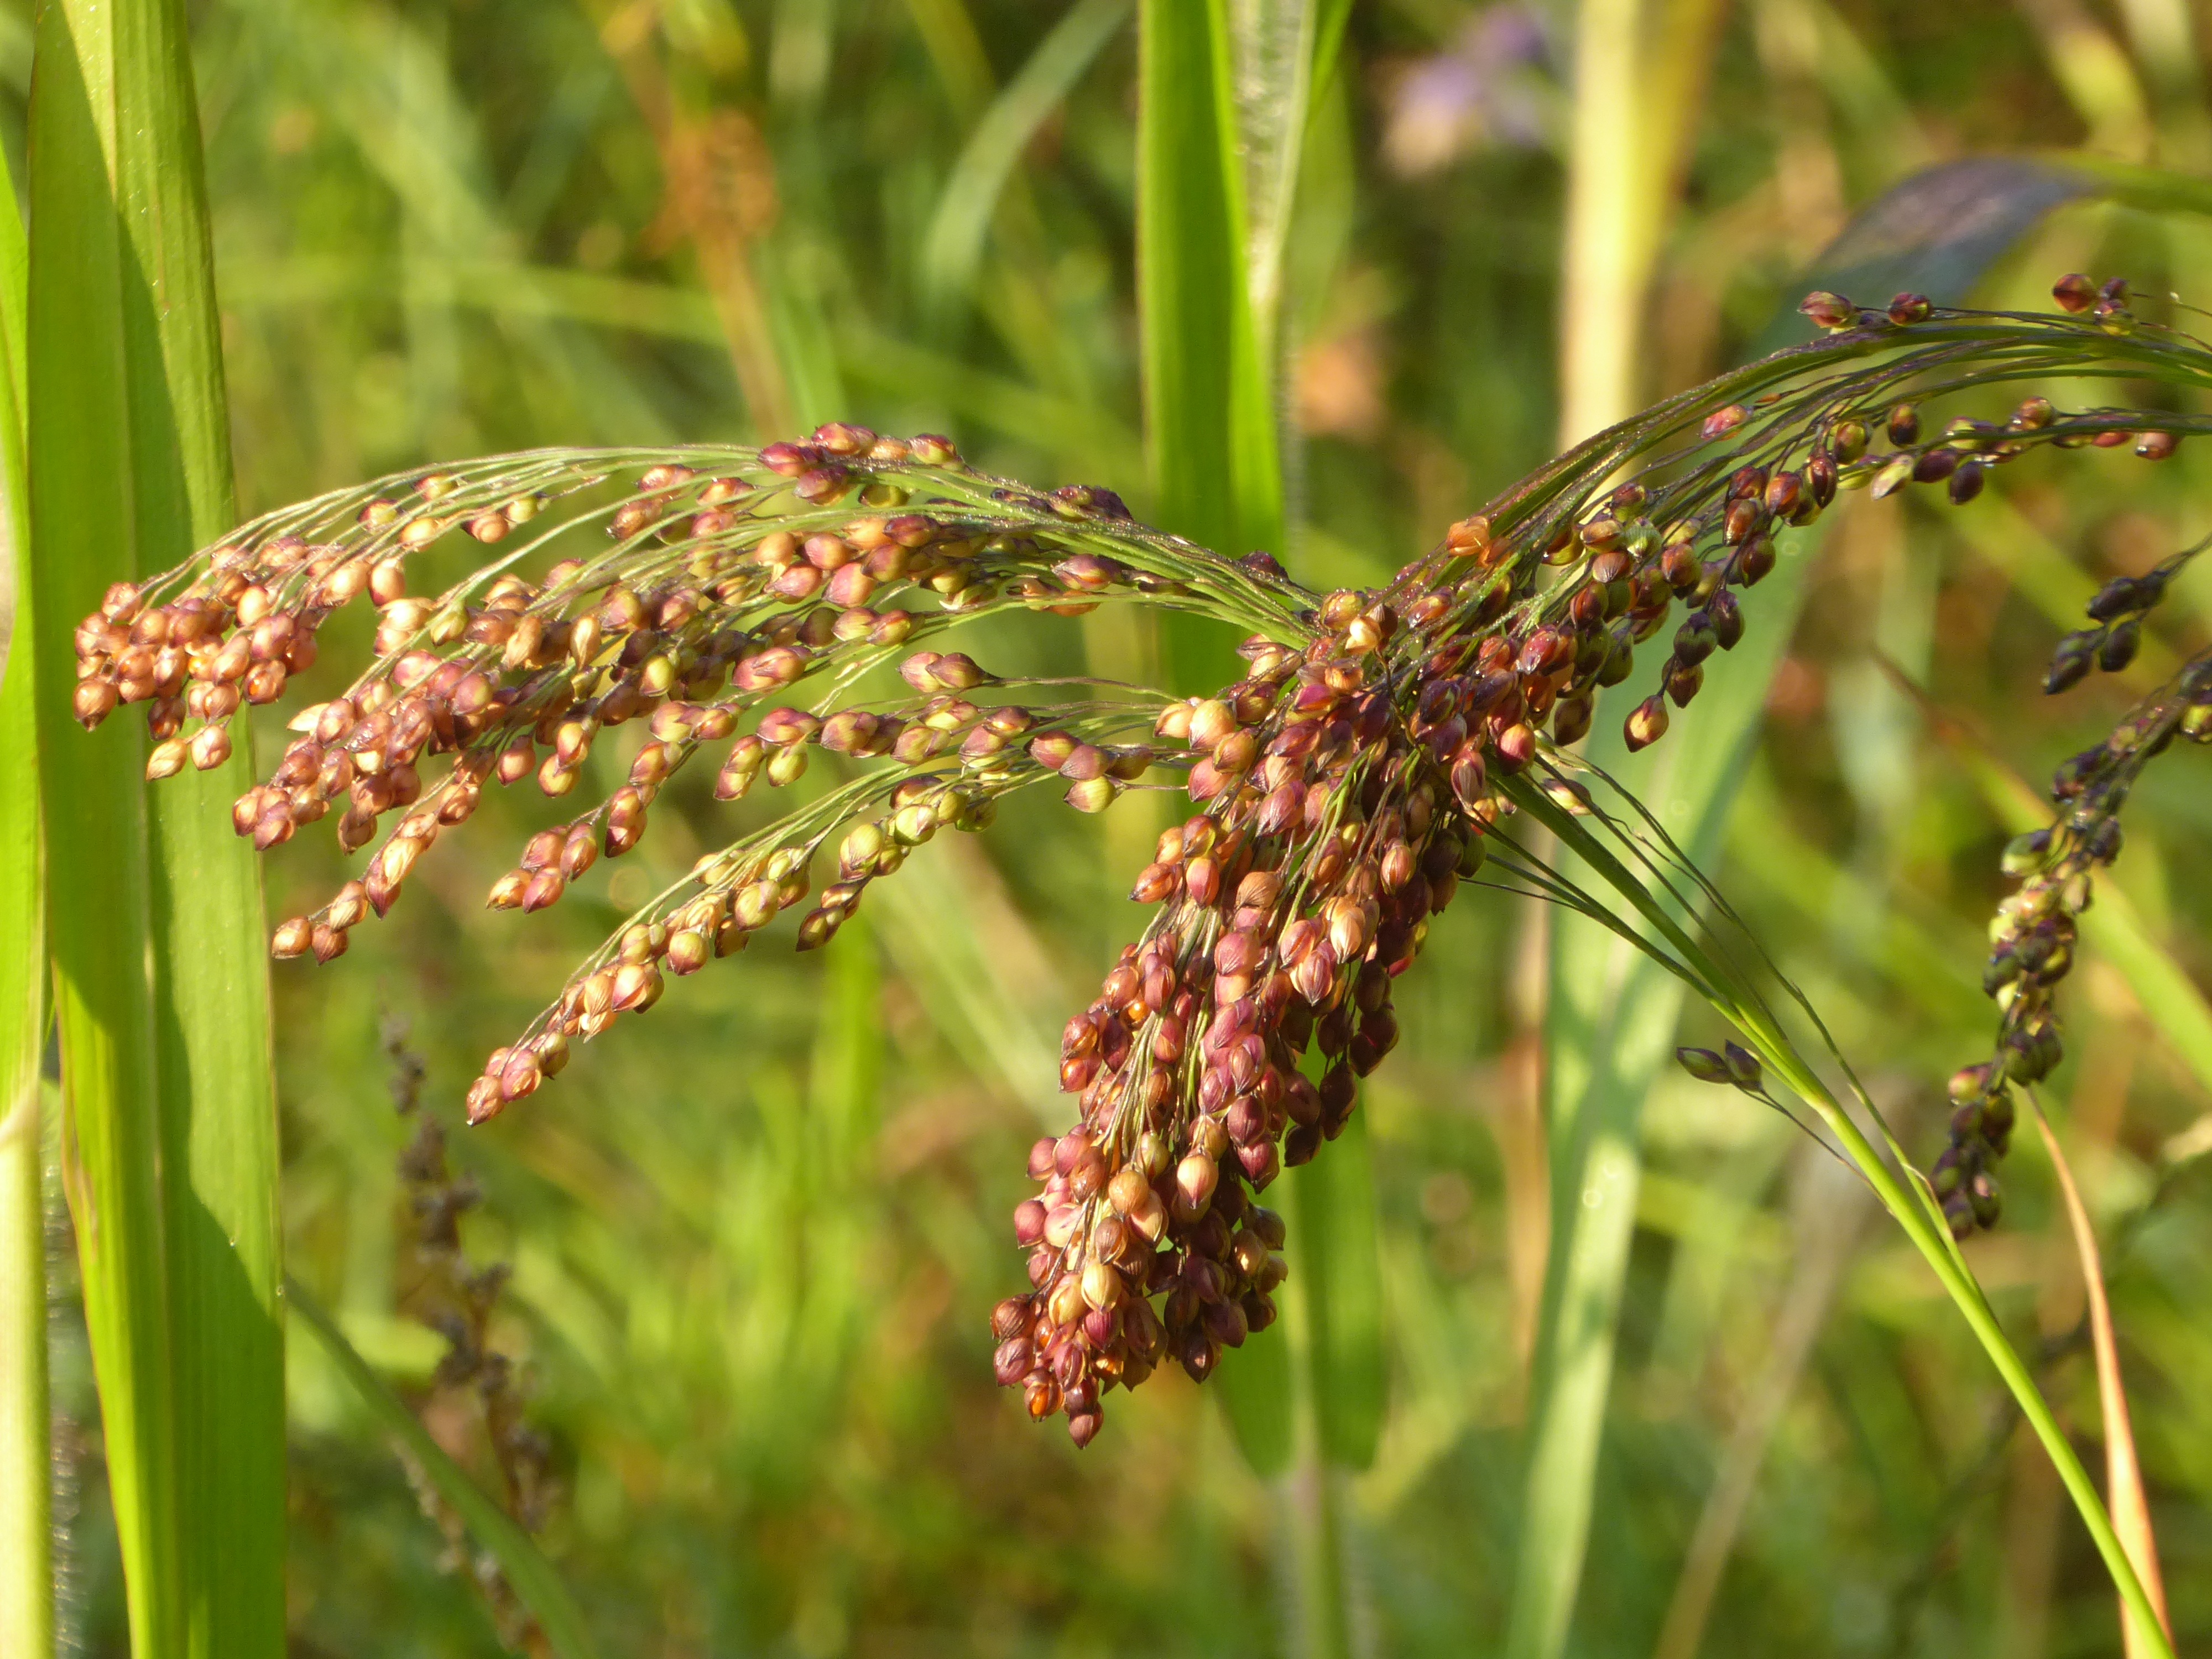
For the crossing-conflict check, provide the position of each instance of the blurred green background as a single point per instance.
(755, 1241)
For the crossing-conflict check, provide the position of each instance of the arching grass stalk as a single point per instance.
(1374, 746)
(1724, 982)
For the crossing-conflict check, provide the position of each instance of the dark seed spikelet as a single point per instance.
(457, 1301)
(2033, 935)
(1339, 788)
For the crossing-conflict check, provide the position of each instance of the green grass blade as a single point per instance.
(27, 1607)
(953, 247)
(536, 1584)
(1611, 1020)
(1637, 66)
(1205, 406)
(27, 1602)
(1207, 296)
(171, 1095)
(94, 812)
(1209, 417)
(211, 977)
(1339, 1256)
(1277, 56)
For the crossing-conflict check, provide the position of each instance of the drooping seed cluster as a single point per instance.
(1339, 788)
(1286, 905)
(1471, 662)
(2033, 937)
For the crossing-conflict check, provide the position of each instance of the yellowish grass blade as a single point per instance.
(2123, 1482)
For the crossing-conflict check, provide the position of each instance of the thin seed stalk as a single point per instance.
(1913, 1211)
(1937, 1249)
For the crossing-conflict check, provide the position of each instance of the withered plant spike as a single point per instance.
(739, 600)
(457, 1301)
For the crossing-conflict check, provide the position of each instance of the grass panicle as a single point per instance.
(1342, 787)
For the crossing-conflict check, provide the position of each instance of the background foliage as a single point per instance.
(754, 1248)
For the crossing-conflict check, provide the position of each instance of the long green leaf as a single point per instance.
(1209, 417)
(94, 814)
(1209, 425)
(1611, 1017)
(160, 985)
(1638, 64)
(26, 1469)
(1222, 114)
(535, 1581)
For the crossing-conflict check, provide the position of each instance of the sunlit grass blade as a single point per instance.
(1629, 128)
(1207, 286)
(25, 1466)
(534, 1579)
(95, 818)
(953, 245)
(2123, 1481)
(171, 1097)
(1209, 414)
(1275, 50)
